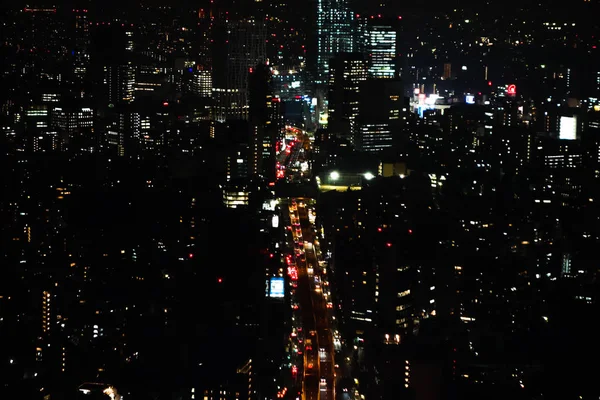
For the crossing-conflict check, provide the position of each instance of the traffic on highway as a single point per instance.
(311, 299)
(312, 338)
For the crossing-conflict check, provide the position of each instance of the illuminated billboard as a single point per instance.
(568, 128)
(470, 99)
(276, 288)
(511, 90)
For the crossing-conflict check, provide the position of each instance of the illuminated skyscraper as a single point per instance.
(334, 34)
(381, 46)
(202, 82)
(378, 39)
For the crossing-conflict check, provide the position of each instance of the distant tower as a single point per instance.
(82, 43)
(381, 47)
(244, 48)
(448, 71)
(46, 311)
(119, 80)
(378, 40)
(265, 119)
(334, 34)
(118, 75)
(346, 72)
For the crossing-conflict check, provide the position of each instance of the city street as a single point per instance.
(312, 296)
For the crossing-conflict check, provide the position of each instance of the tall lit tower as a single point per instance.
(46, 312)
(82, 43)
(381, 45)
(334, 34)
(378, 39)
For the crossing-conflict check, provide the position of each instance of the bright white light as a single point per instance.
(334, 175)
(276, 288)
(368, 176)
(401, 176)
(568, 128)
(431, 99)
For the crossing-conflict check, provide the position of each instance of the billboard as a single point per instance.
(276, 288)
(511, 90)
(568, 128)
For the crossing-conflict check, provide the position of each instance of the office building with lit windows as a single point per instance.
(377, 38)
(334, 34)
(381, 45)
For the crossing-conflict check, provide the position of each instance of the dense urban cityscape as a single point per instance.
(319, 200)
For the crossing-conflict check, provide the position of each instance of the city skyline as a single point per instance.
(328, 200)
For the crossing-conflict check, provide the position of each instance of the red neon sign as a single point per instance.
(511, 90)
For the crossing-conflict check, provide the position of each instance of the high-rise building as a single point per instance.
(82, 43)
(46, 312)
(379, 116)
(334, 34)
(381, 47)
(241, 47)
(76, 127)
(119, 80)
(42, 36)
(202, 82)
(378, 40)
(346, 72)
(266, 120)
(114, 71)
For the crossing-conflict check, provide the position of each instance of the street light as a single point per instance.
(368, 176)
(334, 175)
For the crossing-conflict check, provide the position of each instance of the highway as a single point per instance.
(292, 164)
(312, 295)
(311, 288)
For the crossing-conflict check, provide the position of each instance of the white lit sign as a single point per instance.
(568, 128)
(269, 205)
(275, 221)
(276, 288)
(431, 99)
(470, 99)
